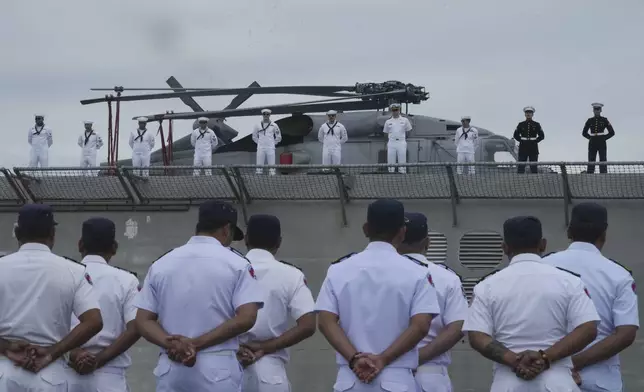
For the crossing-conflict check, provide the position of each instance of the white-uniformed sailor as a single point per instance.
(266, 135)
(332, 134)
(89, 142)
(204, 140)
(142, 143)
(204, 296)
(39, 292)
(466, 139)
(396, 129)
(611, 288)
(40, 139)
(375, 306)
(445, 331)
(522, 315)
(103, 360)
(287, 298)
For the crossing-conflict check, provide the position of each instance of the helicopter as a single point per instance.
(362, 108)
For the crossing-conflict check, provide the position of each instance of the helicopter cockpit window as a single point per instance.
(499, 150)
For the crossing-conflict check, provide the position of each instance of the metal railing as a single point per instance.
(181, 186)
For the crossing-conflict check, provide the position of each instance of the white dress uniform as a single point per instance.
(40, 139)
(141, 142)
(530, 305)
(377, 287)
(39, 291)
(396, 129)
(266, 135)
(193, 289)
(116, 290)
(432, 376)
(612, 290)
(287, 298)
(89, 142)
(332, 136)
(204, 141)
(466, 140)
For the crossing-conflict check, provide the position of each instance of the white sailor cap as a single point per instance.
(203, 119)
(39, 115)
(142, 119)
(266, 111)
(528, 109)
(466, 118)
(395, 106)
(331, 113)
(597, 105)
(88, 122)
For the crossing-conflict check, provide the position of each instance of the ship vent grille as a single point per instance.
(468, 287)
(481, 250)
(437, 252)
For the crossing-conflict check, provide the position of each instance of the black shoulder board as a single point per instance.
(238, 253)
(344, 258)
(629, 271)
(488, 275)
(570, 272)
(450, 270)
(123, 269)
(157, 259)
(292, 265)
(416, 261)
(72, 260)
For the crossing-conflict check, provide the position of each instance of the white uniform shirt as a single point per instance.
(451, 301)
(529, 305)
(40, 137)
(203, 141)
(39, 291)
(611, 287)
(335, 139)
(266, 135)
(286, 296)
(197, 287)
(397, 128)
(116, 290)
(467, 144)
(94, 142)
(375, 293)
(141, 140)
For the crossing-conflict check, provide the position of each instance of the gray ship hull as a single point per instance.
(316, 232)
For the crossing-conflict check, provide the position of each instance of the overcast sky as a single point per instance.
(487, 59)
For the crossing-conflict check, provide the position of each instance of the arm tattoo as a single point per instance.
(494, 351)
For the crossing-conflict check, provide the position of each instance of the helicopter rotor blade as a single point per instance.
(189, 101)
(307, 90)
(281, 109)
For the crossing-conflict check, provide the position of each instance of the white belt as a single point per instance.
(430, 368)
(528, 138)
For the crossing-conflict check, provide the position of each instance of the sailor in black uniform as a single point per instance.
(528, 134)
(597, 130)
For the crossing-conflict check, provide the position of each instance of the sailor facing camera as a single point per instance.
(396, 129)
(266, 135)
(332, 135)
(529, 134)
(40, 139)
(263, 351)
(530, 317)
(103, 361)
(195, 302)
(597, 130)
(466, 139)
(39, 292)
(376, 339)
(89, 142)
(204, 141)
(141, 143)
(445, 330)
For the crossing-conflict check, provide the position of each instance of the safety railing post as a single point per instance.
(242, 185)
(238, 195)
(124, 184)
(343, 195)
(567, 196)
